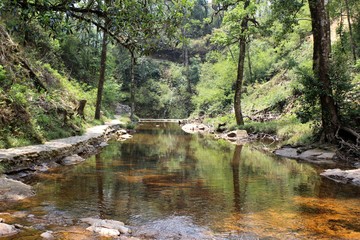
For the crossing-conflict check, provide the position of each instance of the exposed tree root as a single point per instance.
(349, 142)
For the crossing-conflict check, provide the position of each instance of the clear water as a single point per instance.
(171, 185)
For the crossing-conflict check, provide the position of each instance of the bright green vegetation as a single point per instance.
(173, 64)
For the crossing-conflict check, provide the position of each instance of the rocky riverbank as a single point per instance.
(325, 156)
(22, 161)
(34, 157)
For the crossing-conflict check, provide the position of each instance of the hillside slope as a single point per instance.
(36, 102)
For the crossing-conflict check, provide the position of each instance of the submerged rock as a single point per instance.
(14, 190)
(6, 229)
(343, 176)
(71, 160)
(175, 227)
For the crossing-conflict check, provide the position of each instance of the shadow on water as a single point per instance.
(172, 185)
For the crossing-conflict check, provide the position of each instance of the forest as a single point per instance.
(286, 68)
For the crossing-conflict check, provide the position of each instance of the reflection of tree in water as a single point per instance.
(239, 198)
(99, 181)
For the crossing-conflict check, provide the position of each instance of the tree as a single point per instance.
(321, 67)
(237, 18)
(136, 25)
(287, 11)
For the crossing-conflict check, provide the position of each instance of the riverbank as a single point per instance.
(31, 158)
(20, 162)
(325, 156)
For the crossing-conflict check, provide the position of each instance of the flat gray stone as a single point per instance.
(317, 154)
(344, 176)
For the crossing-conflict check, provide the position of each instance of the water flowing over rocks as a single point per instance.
(343, 176)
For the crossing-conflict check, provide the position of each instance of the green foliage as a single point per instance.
(288, 128)
(214, 90)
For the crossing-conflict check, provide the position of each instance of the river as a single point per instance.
(168, 184)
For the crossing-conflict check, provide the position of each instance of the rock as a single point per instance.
(317, 154)
(237, 134)
(122, 109)
(126, 136)
(344, 176)
(71, 160)
(242, 134)
(41, 168)
(14, 190)
(103, 144)
(231, 134)
(47, 235)
(106, 232)
(287, 152)
(122, 131)
(202, 127)
(6, 229)
(194, 128)
(109, 224)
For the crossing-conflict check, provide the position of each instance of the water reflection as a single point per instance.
(165, 174)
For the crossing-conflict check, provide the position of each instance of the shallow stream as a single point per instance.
(168, 184)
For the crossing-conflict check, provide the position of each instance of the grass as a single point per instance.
(289, 129)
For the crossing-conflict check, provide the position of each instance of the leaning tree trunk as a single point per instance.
(102, 76)
(132, 85)
(321, 67)
(240, 69)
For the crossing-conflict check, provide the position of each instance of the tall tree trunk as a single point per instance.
(132, 84)
(240, 69)
(353, 44)
(102, 76)
(321, 66)
(239, 81)
(249, 63)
